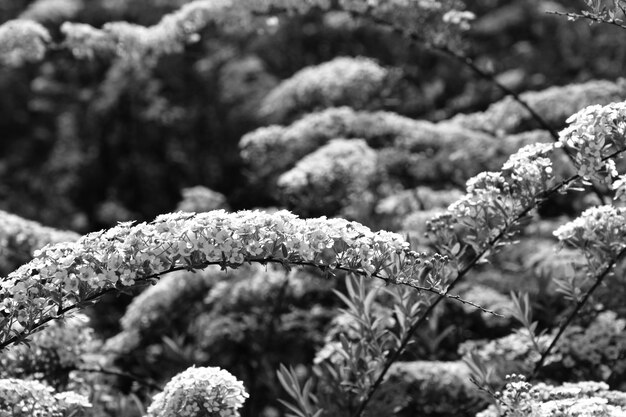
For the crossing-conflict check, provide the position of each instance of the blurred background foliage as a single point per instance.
(89, 142)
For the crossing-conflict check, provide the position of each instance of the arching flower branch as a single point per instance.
(65, 276)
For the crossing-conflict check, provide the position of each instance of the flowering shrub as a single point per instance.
(338, 173)
(200, 392)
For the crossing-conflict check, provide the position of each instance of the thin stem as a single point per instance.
(599, 279)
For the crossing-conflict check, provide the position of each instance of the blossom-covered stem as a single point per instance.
(598, 281)
(114, 372)
(66, 276)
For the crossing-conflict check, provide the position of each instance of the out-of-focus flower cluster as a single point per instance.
(198, 199)
(174, 30)
(597, 351)
(22, 41)
(68, 273)
(599, 232)
(521, 399)
(290, 306)
(593, 134)
(339, 173)
(554, 104)
(52, 353)
(20, 398)
(271, 150)
(427, 388)
(19, 238)
(514, 353)
(358, 82)
(200, 392)
(154, 312)
(409, 210)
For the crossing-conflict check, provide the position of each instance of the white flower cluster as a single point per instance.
(598, 351)
(357, 82)
(593, 134)
(67, 273)
(460, 18)
(153, 306)
(598, 231)
(19, 238)
(512, 353)
(199, 198)
(554, 104)
(19, 398)
(339, 171)
(85, 41)
(22, 41)
(200, 392)
(495, 199)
